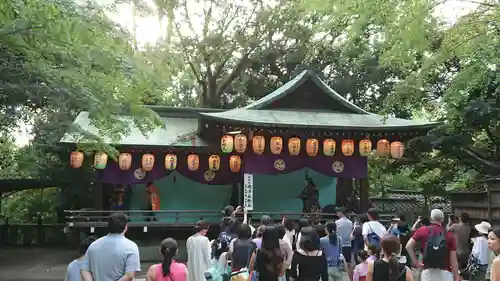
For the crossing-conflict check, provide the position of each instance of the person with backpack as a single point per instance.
(439, 261)
(373, 230)
(331, 246)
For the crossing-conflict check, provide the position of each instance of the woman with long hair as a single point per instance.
(388, 268)
(168, 269)
(309, 262)
(303, 223)
(494, 246)
(331, 246)
(268, 261)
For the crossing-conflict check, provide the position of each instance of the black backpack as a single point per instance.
(436, 252)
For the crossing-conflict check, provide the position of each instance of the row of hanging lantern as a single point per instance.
(148, 161)
(239, 144)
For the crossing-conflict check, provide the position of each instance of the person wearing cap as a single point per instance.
(480, 251)
(198, 249)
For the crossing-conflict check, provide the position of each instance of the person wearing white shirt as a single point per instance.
(372, 226)
(480, 250)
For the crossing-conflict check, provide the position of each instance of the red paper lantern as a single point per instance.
(214, 162)
(348, 147)
(193, 162)
(276, 145)
(124, 161)
(258, 144)
(365, 147)
(170, 162)
(227, 144)
(397, 149)
(329, 147)
(383, 148)
(312, 147)
(240, 143)
(76, 159)
(148, 162)
(294, 146)
(235, 163)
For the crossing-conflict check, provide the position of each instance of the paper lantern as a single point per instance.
(214, 162)
(383, 148)
(148, 162)
(276, 145)
(365, 147)
(258, 144)
(124, 161)
(100, 160)
(240, 143)
(348, 147)
(329, 147)
(193, 162)
(294, 146)
(76, 159)
(312, 147)
(235, 163)
(170, 162)
(397, 149)
(227, 144)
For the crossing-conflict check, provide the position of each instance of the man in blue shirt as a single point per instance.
(112, 257)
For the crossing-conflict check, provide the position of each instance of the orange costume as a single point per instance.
(154, 197)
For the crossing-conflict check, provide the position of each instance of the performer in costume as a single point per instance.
(117, 200)
(310, 197)
(153, 200)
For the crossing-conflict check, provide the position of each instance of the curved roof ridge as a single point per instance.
(290, 86)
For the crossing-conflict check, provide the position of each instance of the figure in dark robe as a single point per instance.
(117, 201)
(310, 197)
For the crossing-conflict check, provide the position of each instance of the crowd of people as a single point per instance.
(363, 250)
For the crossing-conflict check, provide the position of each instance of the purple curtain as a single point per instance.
(268, 164)
(335, 166)
(113, 174)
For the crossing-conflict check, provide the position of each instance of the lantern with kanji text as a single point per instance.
(193, 162)
(347, 147)
(329, 147)
(258, 144)
(214, 162)
(148, 162)
(100, 160)
(124, 161)
(76, 159)
(294, 146)
(383, 148)
(227, 144)
(365, 147)
(235, 163)
(397, 149)
(276, 145)
(240, 143)
(312, 147)
(170, 162)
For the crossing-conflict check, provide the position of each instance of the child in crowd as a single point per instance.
(362, 268)
(73, 271)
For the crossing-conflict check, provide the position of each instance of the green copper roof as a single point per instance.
(355, 117)
(324, 120)
(178, 131)
(290, 86)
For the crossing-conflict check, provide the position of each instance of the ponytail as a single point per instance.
(168, 250)
(168, 255)
(393, 268)
(331, 227)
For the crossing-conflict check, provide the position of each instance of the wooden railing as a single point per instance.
(141, 218)
(184, 218)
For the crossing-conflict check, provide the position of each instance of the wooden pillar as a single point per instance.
(364, 194)
(344, 190)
